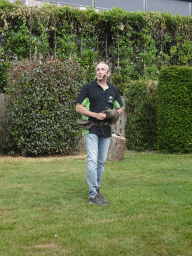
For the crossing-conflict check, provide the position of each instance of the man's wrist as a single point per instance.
(93, 114)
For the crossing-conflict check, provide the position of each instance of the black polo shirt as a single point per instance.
(94, 98)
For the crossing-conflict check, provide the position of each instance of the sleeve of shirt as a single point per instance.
(84, 100)
(83, 94)
(118, 102)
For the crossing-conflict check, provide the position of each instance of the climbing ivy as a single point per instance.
(135, 44)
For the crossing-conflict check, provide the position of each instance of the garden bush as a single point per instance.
(174, 112)
(42, 116)
(141, 108)
(3, 76)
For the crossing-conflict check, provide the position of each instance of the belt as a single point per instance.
(86, 124)
(100, 123)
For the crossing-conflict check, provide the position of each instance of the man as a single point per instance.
(91, 102)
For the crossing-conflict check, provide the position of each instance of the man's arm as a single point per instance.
(120, 110)
(85, 112)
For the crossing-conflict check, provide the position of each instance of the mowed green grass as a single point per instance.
(44, 206)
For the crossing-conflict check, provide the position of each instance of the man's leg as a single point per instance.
(102, 156)
(92, 155)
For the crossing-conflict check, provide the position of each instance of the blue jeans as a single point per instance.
(97, 148)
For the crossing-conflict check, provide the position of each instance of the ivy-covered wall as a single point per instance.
(135, 44)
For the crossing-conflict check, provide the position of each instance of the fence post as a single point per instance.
(119, 127)
(4, 102)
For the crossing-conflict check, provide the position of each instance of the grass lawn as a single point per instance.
(44, 206)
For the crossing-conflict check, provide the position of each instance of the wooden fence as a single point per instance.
(4, 102)
(119, 127)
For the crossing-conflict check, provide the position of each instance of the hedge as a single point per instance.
(3, 76)
(42, 114)
(141, 106)
(174, 112)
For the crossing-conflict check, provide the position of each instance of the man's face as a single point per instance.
(101, 71)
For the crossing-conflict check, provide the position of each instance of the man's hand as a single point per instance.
(100, 116)
(83, 111)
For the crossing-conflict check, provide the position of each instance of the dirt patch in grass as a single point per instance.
(46, 246)
(42, 248)
(42, 159)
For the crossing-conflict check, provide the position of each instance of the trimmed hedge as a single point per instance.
(141, 108)
(174, 113)
(42, 114)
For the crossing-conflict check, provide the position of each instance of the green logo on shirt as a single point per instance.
(110, 100)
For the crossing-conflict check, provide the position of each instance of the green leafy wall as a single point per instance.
(135, 44)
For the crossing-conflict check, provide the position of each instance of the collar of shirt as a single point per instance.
(96, 84)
